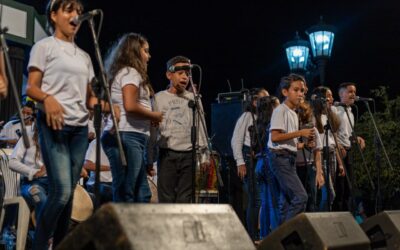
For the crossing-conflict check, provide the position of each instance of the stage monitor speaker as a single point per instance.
(160, 226)
(318, 231)
(223, 121)
(383, 230)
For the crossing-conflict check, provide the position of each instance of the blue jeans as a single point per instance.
(129, 182)
(307, 175)
(63, 153)
(35, 193)
(293, 197)
(269, 193)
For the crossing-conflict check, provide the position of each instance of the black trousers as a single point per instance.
(174, 176)
(343, 200)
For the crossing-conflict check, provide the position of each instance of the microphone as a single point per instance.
(174, 69)
(315, 97)
(79, 19)
(340, 104)
(364, 99)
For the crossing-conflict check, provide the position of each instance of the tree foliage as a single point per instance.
(388, 124)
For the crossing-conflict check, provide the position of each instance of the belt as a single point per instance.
(284, 152)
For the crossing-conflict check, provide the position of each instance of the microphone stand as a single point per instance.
(13, 85)
(298, 111)
(329, 123)
(105, 86)
(350, 178)
(378, 147)
(327, 158)
(193, 139)
(96, 87)
(195, 106)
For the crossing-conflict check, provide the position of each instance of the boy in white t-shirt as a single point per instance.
(283, 145)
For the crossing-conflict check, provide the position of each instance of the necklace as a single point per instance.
(68, 48)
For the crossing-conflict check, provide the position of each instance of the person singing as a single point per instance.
(59, 76)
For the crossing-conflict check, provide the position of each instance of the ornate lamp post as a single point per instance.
(321, 40)
(297, 52)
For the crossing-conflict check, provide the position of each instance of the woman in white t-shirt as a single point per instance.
(126, 66)
(59, 76)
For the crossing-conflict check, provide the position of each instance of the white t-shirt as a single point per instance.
(67, 70)
(9, 130)
(331, 140)
(241, 136)
(24, 161)
(129, 122)
(285, 119)
(345, 128)
(105, 176)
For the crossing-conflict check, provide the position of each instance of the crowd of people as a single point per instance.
(277, 142)
(295, 153)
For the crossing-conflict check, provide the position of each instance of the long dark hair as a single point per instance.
(318, 109)
(54, 5)
(126, 53)
(264, 109)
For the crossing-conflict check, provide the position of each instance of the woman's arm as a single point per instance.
(130, 95)
(53, 109)
(3, 78)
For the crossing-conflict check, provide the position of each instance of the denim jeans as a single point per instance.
(307, 175)
(63, 153)
(105, 192)
(129, 182)
(269, 193)
(293, 196)
(35, 193)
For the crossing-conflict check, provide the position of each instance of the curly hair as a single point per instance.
(126, 53)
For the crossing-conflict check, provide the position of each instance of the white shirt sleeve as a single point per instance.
(130, 76)
(38, 56)
(278, 119)
(318, 141)
(16, 161)
(237, 141)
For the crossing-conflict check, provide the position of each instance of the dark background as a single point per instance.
(245, 40)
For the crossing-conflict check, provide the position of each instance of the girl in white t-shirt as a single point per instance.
(322, 109)
(126, 66)
(29, 164)
(59, 76)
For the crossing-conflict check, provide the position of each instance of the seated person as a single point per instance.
(29, 164)
(105, 186)
(11, 131)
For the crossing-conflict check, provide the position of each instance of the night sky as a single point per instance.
(245, 41)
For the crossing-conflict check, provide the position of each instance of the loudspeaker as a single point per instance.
(223, 121)
(336, 230)
(160, 226)
(383, 230)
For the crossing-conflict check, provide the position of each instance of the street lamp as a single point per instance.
(297, 52)
(321, 40)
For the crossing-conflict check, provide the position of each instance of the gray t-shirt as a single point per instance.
(174, 130)
(67, 70)
(285, 119)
